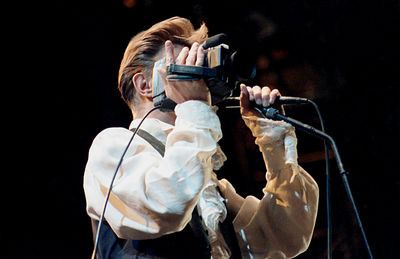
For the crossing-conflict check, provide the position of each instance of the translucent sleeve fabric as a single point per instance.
(281, 224)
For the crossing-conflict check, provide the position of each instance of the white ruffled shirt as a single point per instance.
(153, 195)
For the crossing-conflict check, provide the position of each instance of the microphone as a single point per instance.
(280, 100)
(290, 100)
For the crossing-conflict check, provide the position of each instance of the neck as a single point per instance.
(142, 109)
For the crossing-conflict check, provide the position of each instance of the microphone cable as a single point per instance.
(327, 183)
(96, 243)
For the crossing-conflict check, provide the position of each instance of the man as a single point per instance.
(157, 198)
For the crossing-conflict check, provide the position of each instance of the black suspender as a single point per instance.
(158, 145)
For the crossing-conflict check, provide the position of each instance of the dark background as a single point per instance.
(341, 54)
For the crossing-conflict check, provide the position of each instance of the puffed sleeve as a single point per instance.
(153, 195)
(280, 225)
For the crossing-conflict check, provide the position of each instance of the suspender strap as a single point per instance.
(158, 145)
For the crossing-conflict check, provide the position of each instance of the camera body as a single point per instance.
(223, 83)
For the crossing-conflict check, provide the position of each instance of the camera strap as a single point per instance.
(189, 73)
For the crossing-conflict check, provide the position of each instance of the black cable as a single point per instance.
(328, 185)
(96, 244)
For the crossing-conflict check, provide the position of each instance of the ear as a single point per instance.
(143, 88)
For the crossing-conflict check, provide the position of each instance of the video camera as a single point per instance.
(222, 71)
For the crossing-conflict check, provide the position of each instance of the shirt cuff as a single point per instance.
(199, 115)
(266, 128)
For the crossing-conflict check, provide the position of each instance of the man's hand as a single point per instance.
(181, 91)
(262, 96)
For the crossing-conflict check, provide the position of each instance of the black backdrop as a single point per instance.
(342, 55)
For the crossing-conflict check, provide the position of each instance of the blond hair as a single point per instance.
(142, 50)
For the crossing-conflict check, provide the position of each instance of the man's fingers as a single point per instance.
(257, 95)
(244, 98)
(261, 96)
(191, 59)
(273, 95)
(200, 56)
(169, 53)
(265, 92)
(181, 59)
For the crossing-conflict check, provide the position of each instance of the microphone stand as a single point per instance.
(272, 113)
